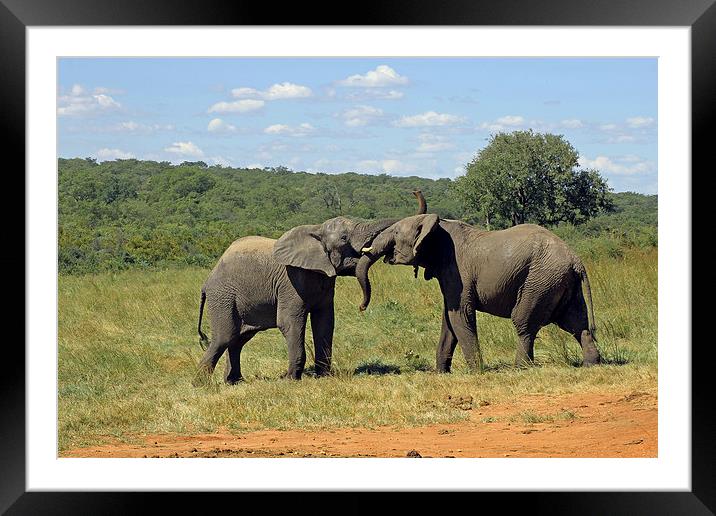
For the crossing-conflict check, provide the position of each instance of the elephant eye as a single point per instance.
(344, 238)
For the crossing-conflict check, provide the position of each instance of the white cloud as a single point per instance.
(429, 119)
(382, 76)
(572, 123)
(433, 143)
(287, 130)
(134, 127)
(287, 90)
(388, 166)
(238, 93)
(217, 125)
(284, 90)
(639, 122)
(621, 138)
(622, 165)
(388, 95)
(608, 127)
(106, 154)
(511, 120)
(129, 126)
(185, 149)
(220, 160)
(361, 115)
(237, 106)
(107, 91)
(503, 123)
(375, 94)
(78, 103)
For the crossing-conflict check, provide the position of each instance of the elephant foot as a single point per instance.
(591, 360)
(523, 362)
(234, 381)
(323, 372)
(589, 350)
(201, 379)
(475, 366)
(292, 375)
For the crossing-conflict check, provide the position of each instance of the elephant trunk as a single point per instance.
(380, 239)
(422, 205)
(365, 232)
(370, 256)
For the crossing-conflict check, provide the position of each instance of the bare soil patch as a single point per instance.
(574, 425)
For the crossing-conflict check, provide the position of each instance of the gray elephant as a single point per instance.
(525, 273)
(260, 283)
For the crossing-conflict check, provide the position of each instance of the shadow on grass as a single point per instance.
(617, 360)
(376, 367)
(499, 367)
(611, 353)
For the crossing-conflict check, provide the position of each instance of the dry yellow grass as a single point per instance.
(128, 349)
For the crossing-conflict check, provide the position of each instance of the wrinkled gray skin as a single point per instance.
(525, 273)
(261, 283)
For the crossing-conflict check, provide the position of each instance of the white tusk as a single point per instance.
(366, 249)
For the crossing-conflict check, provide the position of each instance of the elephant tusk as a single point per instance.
(366, 249)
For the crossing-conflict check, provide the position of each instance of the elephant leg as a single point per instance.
(464, 325)
(576, 322)
(225, 330)
(446, 346)
(525, 348)
(322, 323)
(293, 328)
(232, 373)
(534, 309)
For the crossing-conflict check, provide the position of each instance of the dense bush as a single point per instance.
(136, 214)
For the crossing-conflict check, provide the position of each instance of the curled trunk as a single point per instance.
(366, 261)
(364, 265)
(378, 249)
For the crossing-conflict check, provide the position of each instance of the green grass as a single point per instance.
(128, 349)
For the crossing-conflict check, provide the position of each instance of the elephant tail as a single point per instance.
(580, 269)
(203, 339)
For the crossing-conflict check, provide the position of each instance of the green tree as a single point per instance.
(525, 176)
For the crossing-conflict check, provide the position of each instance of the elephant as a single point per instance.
(261, 283)
(526, 273)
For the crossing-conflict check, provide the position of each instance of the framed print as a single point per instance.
(179, 165)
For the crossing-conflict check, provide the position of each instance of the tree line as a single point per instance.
(133, 213)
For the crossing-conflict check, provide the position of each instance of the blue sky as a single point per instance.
(403, 116)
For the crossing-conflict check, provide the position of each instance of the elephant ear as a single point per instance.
(302, 247)
(426, 226)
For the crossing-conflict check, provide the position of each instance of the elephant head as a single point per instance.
(333, 247)
(401, 243)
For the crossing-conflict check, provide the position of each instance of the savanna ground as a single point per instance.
(128, 350)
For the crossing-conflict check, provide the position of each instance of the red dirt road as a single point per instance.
(574, 425)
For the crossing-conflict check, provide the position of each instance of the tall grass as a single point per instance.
(128, 349)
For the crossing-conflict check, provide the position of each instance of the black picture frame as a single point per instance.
(16, 15)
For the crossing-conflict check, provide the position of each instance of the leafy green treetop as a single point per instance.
(525, 176)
